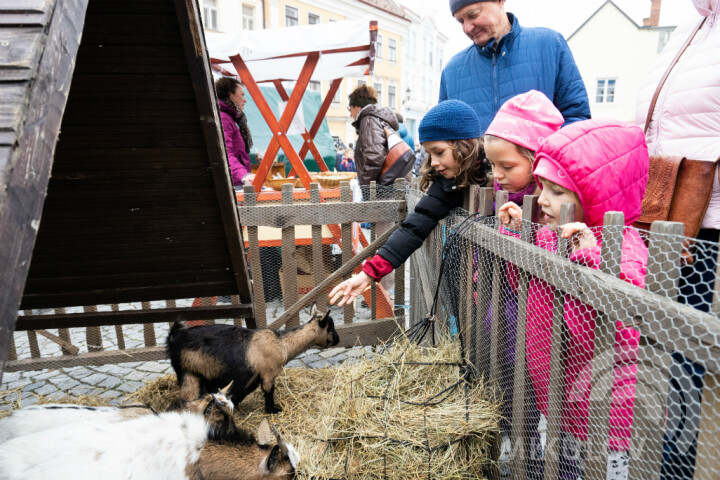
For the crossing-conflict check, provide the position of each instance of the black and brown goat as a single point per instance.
(208, 356)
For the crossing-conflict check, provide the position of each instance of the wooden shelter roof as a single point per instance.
(114, 184)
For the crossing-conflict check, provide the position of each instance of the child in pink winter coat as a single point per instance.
(600, 166)
(511, 140)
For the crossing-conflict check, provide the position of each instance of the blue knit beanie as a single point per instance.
(456, 5)
(449, 120)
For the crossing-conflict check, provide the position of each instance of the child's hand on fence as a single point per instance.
(510, 216)
(579, 234)
(349, 289)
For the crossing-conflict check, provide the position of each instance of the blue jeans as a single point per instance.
(686, 377)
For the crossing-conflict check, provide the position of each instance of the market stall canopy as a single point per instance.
(347, 49)
(329, 51)
(308, 110)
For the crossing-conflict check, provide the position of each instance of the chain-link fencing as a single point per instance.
(294, 240)
(605, 345)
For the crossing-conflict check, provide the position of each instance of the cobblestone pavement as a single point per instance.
(115, 381)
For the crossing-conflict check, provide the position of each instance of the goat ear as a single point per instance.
(264, 434)
(273, 459)
(313, 311)
(325, 320)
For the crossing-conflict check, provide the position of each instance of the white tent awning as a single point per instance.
(279, 54)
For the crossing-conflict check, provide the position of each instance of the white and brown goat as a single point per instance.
(208, 356)
(166, 446)
(216, 408)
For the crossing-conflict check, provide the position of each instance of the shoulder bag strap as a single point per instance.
(667, 73)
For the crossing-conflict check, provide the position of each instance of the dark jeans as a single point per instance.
(686, 377)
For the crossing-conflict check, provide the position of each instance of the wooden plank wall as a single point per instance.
(39, 41)
(132, 212)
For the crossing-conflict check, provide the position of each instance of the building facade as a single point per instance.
(614, 65)
(232, 15)
(422, 65)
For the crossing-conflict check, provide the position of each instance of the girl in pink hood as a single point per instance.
(600, 166)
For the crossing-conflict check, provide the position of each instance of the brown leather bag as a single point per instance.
(678, 188)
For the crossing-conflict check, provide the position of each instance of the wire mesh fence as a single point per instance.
(294, 239)
(605, 347)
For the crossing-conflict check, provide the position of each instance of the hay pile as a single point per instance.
(379, 417)
(388, 418)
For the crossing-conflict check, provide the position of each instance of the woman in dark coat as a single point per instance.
(369, 120)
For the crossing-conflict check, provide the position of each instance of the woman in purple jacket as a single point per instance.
(231, 98)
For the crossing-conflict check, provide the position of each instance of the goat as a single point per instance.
(216, 408)
(165, 446)
(210, 355)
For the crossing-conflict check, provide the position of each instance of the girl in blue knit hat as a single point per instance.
(451, 135)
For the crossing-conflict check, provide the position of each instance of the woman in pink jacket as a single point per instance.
(238, 141)
(600, 166)
(686, 122)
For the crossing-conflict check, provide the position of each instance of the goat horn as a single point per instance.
(280, 440)
(225, 390)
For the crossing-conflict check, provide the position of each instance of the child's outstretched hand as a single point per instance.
(349, 289)
(510, 216)
(579, 234)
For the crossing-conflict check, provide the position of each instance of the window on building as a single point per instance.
(663, 39)
(413, 45)
(439, 57)
(336, 98)
(314, 85)
(361, 82)
(392, 49)
(605, 92)
(210, 14)
(392, 97)
(248, 19)
(292, 18)
(378, 87)
(313, 19)
(379, 47)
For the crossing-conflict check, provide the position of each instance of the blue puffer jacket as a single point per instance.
(525, 59)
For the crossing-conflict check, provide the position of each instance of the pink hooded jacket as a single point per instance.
(607, 162)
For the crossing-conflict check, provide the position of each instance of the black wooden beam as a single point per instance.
(164, 315)
(199, 65)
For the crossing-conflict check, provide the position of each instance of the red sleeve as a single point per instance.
(377, 267)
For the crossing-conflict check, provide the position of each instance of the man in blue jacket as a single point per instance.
(506, 60)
